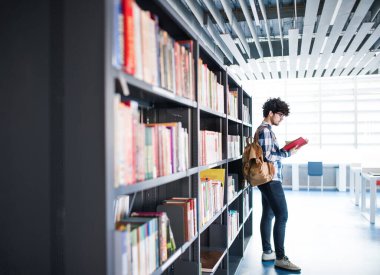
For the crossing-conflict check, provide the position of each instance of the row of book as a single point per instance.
(211, 199)
(233, 101)
(145, 151)
(211, 147)
(136, 245)
(246, 114)
(145, 240)
(145, 51)
(232, 224)
(233, 143)
(211, 93)
(211, 193)
(123, 217)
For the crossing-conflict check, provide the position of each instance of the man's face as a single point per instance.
(276, 118)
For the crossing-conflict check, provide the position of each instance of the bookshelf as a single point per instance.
(60, 123)
(199, 115)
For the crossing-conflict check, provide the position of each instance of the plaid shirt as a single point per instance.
(271, 150)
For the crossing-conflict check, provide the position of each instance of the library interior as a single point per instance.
(129, 132)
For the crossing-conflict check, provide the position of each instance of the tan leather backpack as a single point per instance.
(255, 170)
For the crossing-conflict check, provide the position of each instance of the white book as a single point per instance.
(137, 38)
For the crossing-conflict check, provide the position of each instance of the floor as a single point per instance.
(326, 234)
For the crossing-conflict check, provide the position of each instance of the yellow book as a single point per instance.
(214, 174)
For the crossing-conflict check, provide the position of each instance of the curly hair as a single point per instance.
(276, 105)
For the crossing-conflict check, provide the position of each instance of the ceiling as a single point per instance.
(271, 39)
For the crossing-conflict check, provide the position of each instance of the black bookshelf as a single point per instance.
(186, 260)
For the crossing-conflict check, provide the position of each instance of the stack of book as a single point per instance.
(233, 146)
(232, 224)
(137, 235)
(211, 93)
(170, 148)
(145, 151)
(136, 245)
(145, 51)
(233, 103)
(166, 240)
(246, 115)
(211, 196)
(211, 150)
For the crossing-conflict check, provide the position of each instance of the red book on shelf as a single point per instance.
(297, 142)
(129, 43)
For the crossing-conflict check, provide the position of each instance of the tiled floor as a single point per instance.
(326, 235)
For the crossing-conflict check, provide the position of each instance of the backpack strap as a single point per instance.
(249, 140)
(256, 138)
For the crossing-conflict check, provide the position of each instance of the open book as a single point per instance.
(297, 142)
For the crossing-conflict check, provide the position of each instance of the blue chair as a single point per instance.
(314, 169)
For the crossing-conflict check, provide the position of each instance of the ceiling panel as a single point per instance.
(339, 22)
(300, 38)
(324, 23)
(293, 48)
(363, 50)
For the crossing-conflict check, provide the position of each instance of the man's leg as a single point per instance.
(266, 224)
(274, 195)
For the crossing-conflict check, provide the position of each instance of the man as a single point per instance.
(272, 194)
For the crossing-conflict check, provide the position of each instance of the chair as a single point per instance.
(314, 169)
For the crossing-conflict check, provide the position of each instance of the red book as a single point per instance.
(297, 142)
(129, 35)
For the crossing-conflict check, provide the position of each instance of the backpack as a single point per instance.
(255, 170)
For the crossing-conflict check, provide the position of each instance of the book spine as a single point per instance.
(129, 43)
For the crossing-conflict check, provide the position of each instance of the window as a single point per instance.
(340, 116)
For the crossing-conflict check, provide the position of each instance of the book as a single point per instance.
(210, 260)
(123, 251)
(129, 42)
(297, 142)
(213, 174)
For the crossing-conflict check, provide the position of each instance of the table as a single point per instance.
(355, 172)
(367, 177)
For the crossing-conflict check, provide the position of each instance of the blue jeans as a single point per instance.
(274, 205)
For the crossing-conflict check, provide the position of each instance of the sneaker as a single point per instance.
(268, 256)
(284, 263)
